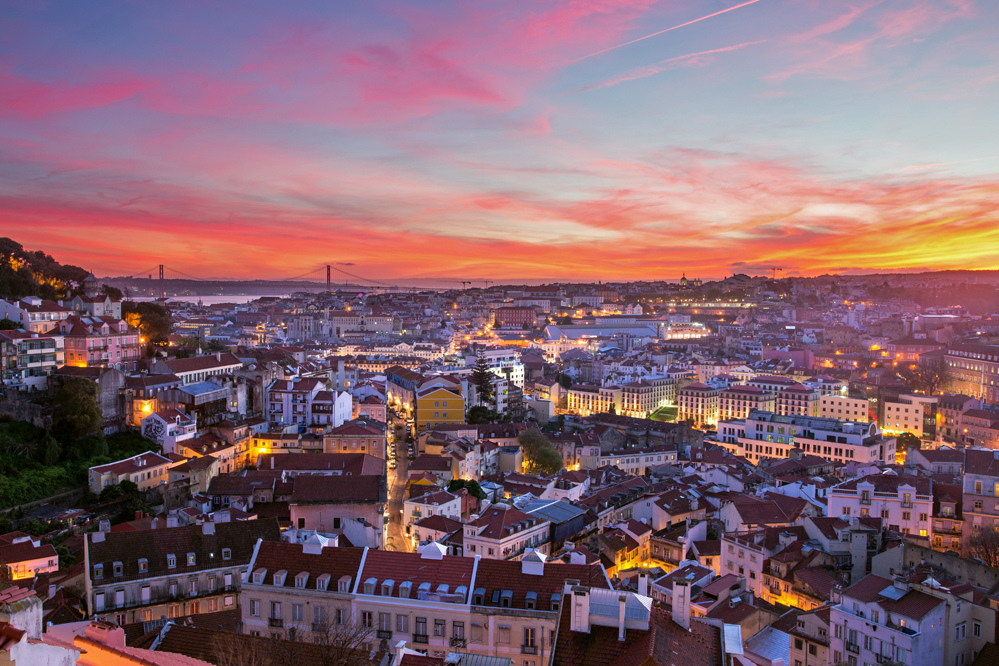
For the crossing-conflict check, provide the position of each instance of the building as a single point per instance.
(974, 370)
(440, 503)
(798, 400)
(981, 489)
(147, 470)
(699, 404)
(736, 402)
(513, 318)
(876, 620)
(25, 557)
(769, 435)
(505, 534)
(306, 402)
(914, 414)
(28, 359)
(843, 408)
(169, 572)
(100, 341)
(358, 436)
(35, 315)
(437, 406)
(196, 369)
(352, 505)
(169, 428)
(586, 399)
(904, 503)
(428, 600)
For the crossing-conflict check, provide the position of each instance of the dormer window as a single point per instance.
(171, 561)
(226, 553)
(322, 583)
(98, 572)
(479, 596)
(531, 601)
(143, 565)
(259, 575)
(506, 598)
(556, 599)
(301, 579)
(191, 559)
(387, 586)
(117, 569)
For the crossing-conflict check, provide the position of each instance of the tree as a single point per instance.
(49, 451)
(113, 292)
(151, 319)
(76, 410)
(472, 486)
(907, 441)
(8, 325)
(927, 377)
(480, 414)
(482, 379)
(339, 644)
(564, 380)
(539, 454)
(983, 544)
(613, 409)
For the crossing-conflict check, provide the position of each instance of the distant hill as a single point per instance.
(24, 273)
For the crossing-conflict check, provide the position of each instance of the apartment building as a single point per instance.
(699, 404)
(25, 557)
(169, 572)
(843, 408)
(904, 503)
(644, 396)
(169, 428)
(974, 370)
(587, 399)
(35, 315)
(798, 400)
(981, 489)
(306, 402)
(100, 341)
(146, 470)
(438, 405)
(429, 600)
(634, 461)
(27, 359)
(876, 620)
(506, 534)
(769, 435)
(358, 436)
(736, 402)
(196, 369)
(915, 414)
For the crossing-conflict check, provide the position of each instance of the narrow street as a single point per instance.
(396, 538)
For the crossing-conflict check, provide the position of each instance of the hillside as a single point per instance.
(24, 273)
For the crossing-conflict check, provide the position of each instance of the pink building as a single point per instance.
(100, 341)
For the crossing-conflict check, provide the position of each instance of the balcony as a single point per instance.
(528, 649)
(320, 627)
(853, 647)
(275, 622)
(384, 633)
(421, 638)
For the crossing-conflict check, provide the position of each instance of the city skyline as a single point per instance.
(563, 140)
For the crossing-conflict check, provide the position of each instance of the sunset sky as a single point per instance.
(512, 140)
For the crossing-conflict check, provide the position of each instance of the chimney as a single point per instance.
(106, 634)
(104, 526)
(681, 603)
(272, 462)
(52, 591)
(97, 537)
(622, 602)
(208, 528)
(172, 521)
(643, 585)
(218, 356)
(580, 618)
(139, 514)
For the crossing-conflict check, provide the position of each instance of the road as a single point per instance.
(396, 538)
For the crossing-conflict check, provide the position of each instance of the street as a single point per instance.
(396, 538)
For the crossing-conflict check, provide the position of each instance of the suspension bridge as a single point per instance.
(335, 277)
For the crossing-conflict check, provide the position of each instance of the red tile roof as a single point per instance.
(319, 489)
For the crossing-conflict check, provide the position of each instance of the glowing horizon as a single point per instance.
(517, 141)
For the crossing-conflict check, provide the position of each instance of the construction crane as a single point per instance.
(775, 269)
(464, 284)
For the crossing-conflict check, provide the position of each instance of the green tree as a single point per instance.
(49, 451)
(927, 377)
(613, 409)
(564, 380)
(66, 559)
(907, 441)
(539, 454)
(113, 292)
(6, 524)
(473, 487)
(480, 414)
(482, 379)
(8, 325)
(76, 410)
(151, 319)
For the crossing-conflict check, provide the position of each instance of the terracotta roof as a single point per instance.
(154, 546)
(499, 523)
(320, 489)
(139, 463)
(355, 464)
(439, 524)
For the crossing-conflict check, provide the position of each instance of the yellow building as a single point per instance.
(437, 405)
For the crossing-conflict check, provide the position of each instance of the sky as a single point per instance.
(506, 140)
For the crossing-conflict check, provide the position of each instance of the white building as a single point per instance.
(904, 503)
(843, 408)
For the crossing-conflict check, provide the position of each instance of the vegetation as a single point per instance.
(983, 544)
(472, 486)
(480, 414)
(8, 325)
(31, 469)
(77, 412)
(482, 379)
(539, 454)
(907, 441)
(152, 320)
(927, 377)
(24, 273)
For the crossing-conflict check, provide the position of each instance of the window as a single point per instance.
(171, 561)
(339, 616)
(439, 626)
(421, 626)
(297, 612)
(143, 565)
(226, 554)
(190, 559)
(254, 607)
(98, 571)
(276, 610)
(976, 630)
(402, 623)
(458, 630)
(529, 636)
(192, 587)
(385, 622)
(366, 619)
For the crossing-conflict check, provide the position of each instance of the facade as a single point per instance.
(876, 620)
(843, 408)
(431, 601)
(169, 572)
(34, 315)
(798, 400)
(904, 503)
(29, 358)
(981, 489)
(699, 404)
(146, 470)
(516, 318)
(25, 557)
(641, 398)
(169, 428)
(306, 402)
(100, 341)
(974, 370)
(357, 436)
(768, 435)
(505, 534)
(586, 399)
(736, 402)
(438, 405)
(197, 368)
